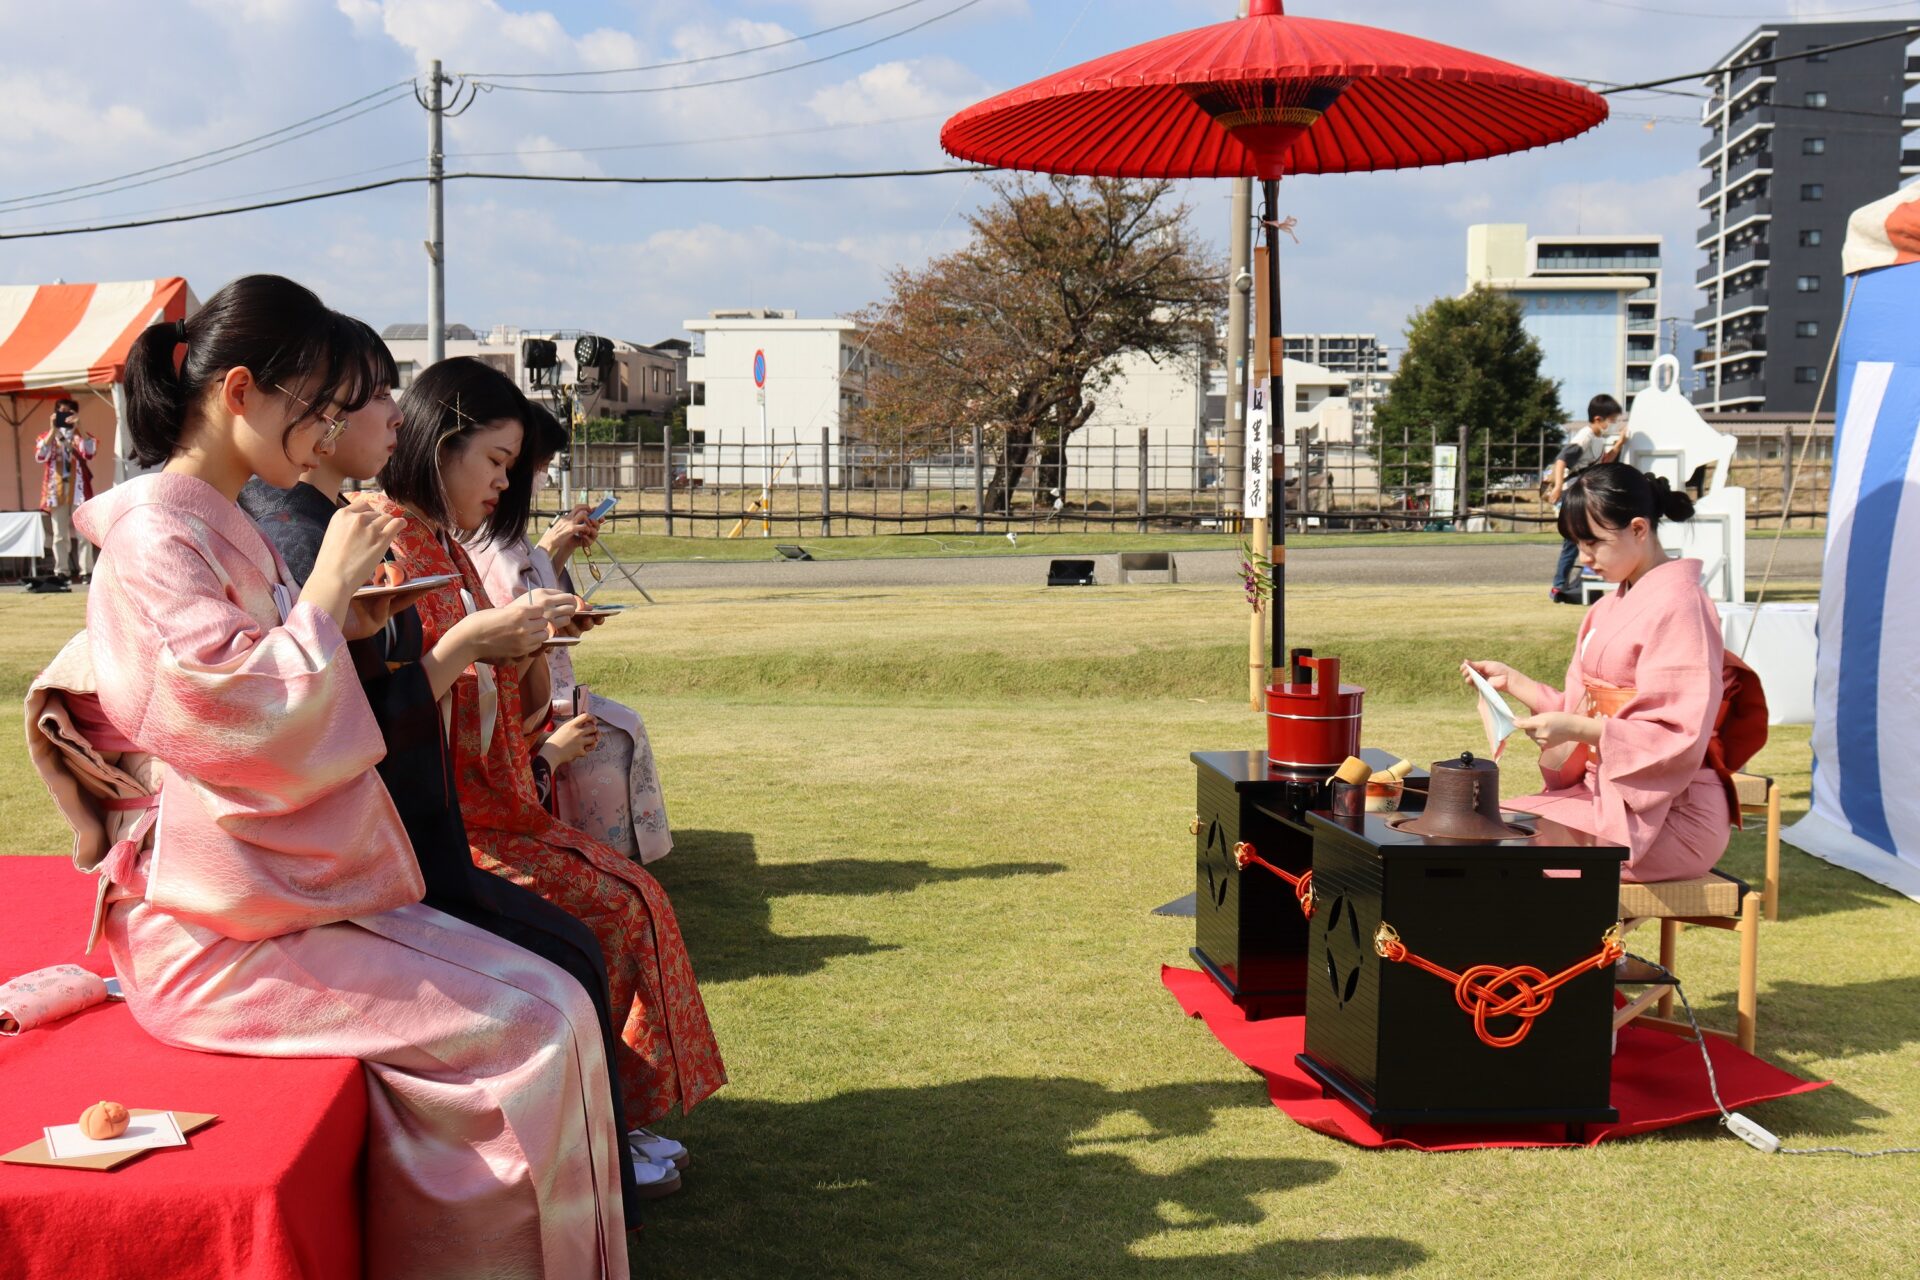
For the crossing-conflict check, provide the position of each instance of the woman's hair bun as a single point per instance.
(1672, 504)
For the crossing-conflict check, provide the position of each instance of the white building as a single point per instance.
(815, 374)
(1593, 302)
(1358, 355)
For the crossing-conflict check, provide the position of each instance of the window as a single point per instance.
(409, 370)
(1806, 329)
(1810, 238)
(1807, 284)
(1813, 146)
(1300, 404)
(1816, 57)
(1813, 191)
(1816, 98)
(1806, 373)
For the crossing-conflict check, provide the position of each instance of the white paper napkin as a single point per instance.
(1495, 715)
(160, 1129)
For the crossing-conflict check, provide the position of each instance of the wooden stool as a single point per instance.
(1758, 796)
(1714, 901)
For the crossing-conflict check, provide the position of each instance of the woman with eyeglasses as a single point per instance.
(404, 680)
(463, 470)
(277, 912)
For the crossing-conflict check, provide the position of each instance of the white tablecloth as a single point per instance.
(22, 533)
(1781, 651)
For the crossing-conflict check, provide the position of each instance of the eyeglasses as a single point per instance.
(335, 427)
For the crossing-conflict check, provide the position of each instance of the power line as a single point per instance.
(491, 86)
(480, 155)
(261, 137)
(688, 62)
(1905, 33)
(19, 207)
(579, 179)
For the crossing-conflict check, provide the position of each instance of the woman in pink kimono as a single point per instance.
(1624, 746)
(612, 790)
(277, 912)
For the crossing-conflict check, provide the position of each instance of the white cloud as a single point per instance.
(58, 107)
(274, 11)
(918, 87)
(541, 154)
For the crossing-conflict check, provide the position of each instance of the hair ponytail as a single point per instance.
(154, 408)
(1613, 495)
(278, 330)
(1672, 504)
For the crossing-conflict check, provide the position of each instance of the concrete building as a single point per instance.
(1792, 149)
(644, 382)
(1357, 355)
(816, 375)
(1592, 302)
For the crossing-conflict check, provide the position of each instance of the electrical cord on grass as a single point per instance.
(1746, 1130)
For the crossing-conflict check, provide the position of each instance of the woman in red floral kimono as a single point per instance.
(458, 469)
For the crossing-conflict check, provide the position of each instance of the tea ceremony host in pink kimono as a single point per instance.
(277, 913)
(1624, 743)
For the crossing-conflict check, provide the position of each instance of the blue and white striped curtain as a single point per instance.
(1866, 732)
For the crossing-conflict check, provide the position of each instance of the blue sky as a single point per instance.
(96, 88)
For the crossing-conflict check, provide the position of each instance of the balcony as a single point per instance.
(1747, 209)
(1909, 161)
(1746, 117)
(1746, 166)
(1748, 78)
(1642, 324)
(1712, 147)
(1745, 300)
(1738, 389)
(1753, 253)
(1709, 272)
(1711, 190)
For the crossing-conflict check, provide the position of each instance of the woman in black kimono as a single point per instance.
(400, 682)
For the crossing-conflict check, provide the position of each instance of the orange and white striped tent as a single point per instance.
(73, 339)
(69, 336)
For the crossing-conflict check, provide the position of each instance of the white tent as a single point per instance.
(1866, 726)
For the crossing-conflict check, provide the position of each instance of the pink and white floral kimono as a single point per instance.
(613, 792)
(277, 910)
(1648, 661)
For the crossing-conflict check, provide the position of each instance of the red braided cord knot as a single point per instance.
(1478, 990)
(1302, 884)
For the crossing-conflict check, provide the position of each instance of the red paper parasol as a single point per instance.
(1265, 96)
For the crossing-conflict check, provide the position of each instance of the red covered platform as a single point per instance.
(271, 1189)
(1658, 1080)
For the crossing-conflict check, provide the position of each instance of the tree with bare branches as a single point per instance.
(1018, 332)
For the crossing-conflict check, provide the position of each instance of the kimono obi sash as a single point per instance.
(1739, 727)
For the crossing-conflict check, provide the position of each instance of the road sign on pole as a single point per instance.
(766, 476)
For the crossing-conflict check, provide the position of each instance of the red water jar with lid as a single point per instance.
(1313, 721)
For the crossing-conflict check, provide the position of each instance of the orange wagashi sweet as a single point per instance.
(103, 1120)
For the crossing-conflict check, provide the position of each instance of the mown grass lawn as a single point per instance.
(919, 834)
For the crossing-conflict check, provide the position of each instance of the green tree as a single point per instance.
(1469, 362)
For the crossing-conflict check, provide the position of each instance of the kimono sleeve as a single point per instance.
(273, 717)
(1653, 748)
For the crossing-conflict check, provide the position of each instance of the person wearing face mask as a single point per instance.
(65, 452)
(266, 901)
(404, 681)
(611, 788)
(463, 470)
(1598, 441)
(1629, 749)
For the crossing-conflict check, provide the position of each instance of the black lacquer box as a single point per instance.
(1391, 1038)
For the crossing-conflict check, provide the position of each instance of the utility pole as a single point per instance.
(436, 221)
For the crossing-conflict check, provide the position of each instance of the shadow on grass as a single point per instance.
(723, 897)
(992, 1176)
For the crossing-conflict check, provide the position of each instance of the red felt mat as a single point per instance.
(1658, 1080)
(270, 1190)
